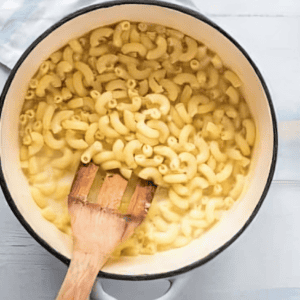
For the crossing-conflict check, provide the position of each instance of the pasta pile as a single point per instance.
(144, 98)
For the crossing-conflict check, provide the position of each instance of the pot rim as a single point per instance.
(200, 17)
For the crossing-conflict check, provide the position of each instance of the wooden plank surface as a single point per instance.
(263, 8)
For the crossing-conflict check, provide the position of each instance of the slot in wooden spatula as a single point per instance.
(98, 228)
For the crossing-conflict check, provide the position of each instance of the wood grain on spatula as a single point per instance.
(112, 190)
(83, 181)
(141, 198)
(139, 204)
(98, 228)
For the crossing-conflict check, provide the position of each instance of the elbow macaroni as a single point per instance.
(146, 99)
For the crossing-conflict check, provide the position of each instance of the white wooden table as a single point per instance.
(264, 263)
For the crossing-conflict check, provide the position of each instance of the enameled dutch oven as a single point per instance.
(173, 262)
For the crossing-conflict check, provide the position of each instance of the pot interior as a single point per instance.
(254, 93)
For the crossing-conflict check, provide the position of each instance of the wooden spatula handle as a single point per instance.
(98, 228)
(81, 275)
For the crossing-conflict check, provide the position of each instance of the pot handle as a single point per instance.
(188, 3)
(177, 284)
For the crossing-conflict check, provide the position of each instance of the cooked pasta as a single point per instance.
(146, 99)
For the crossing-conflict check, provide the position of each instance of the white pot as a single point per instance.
(173, 262)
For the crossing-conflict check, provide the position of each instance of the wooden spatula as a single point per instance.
(98, 228)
